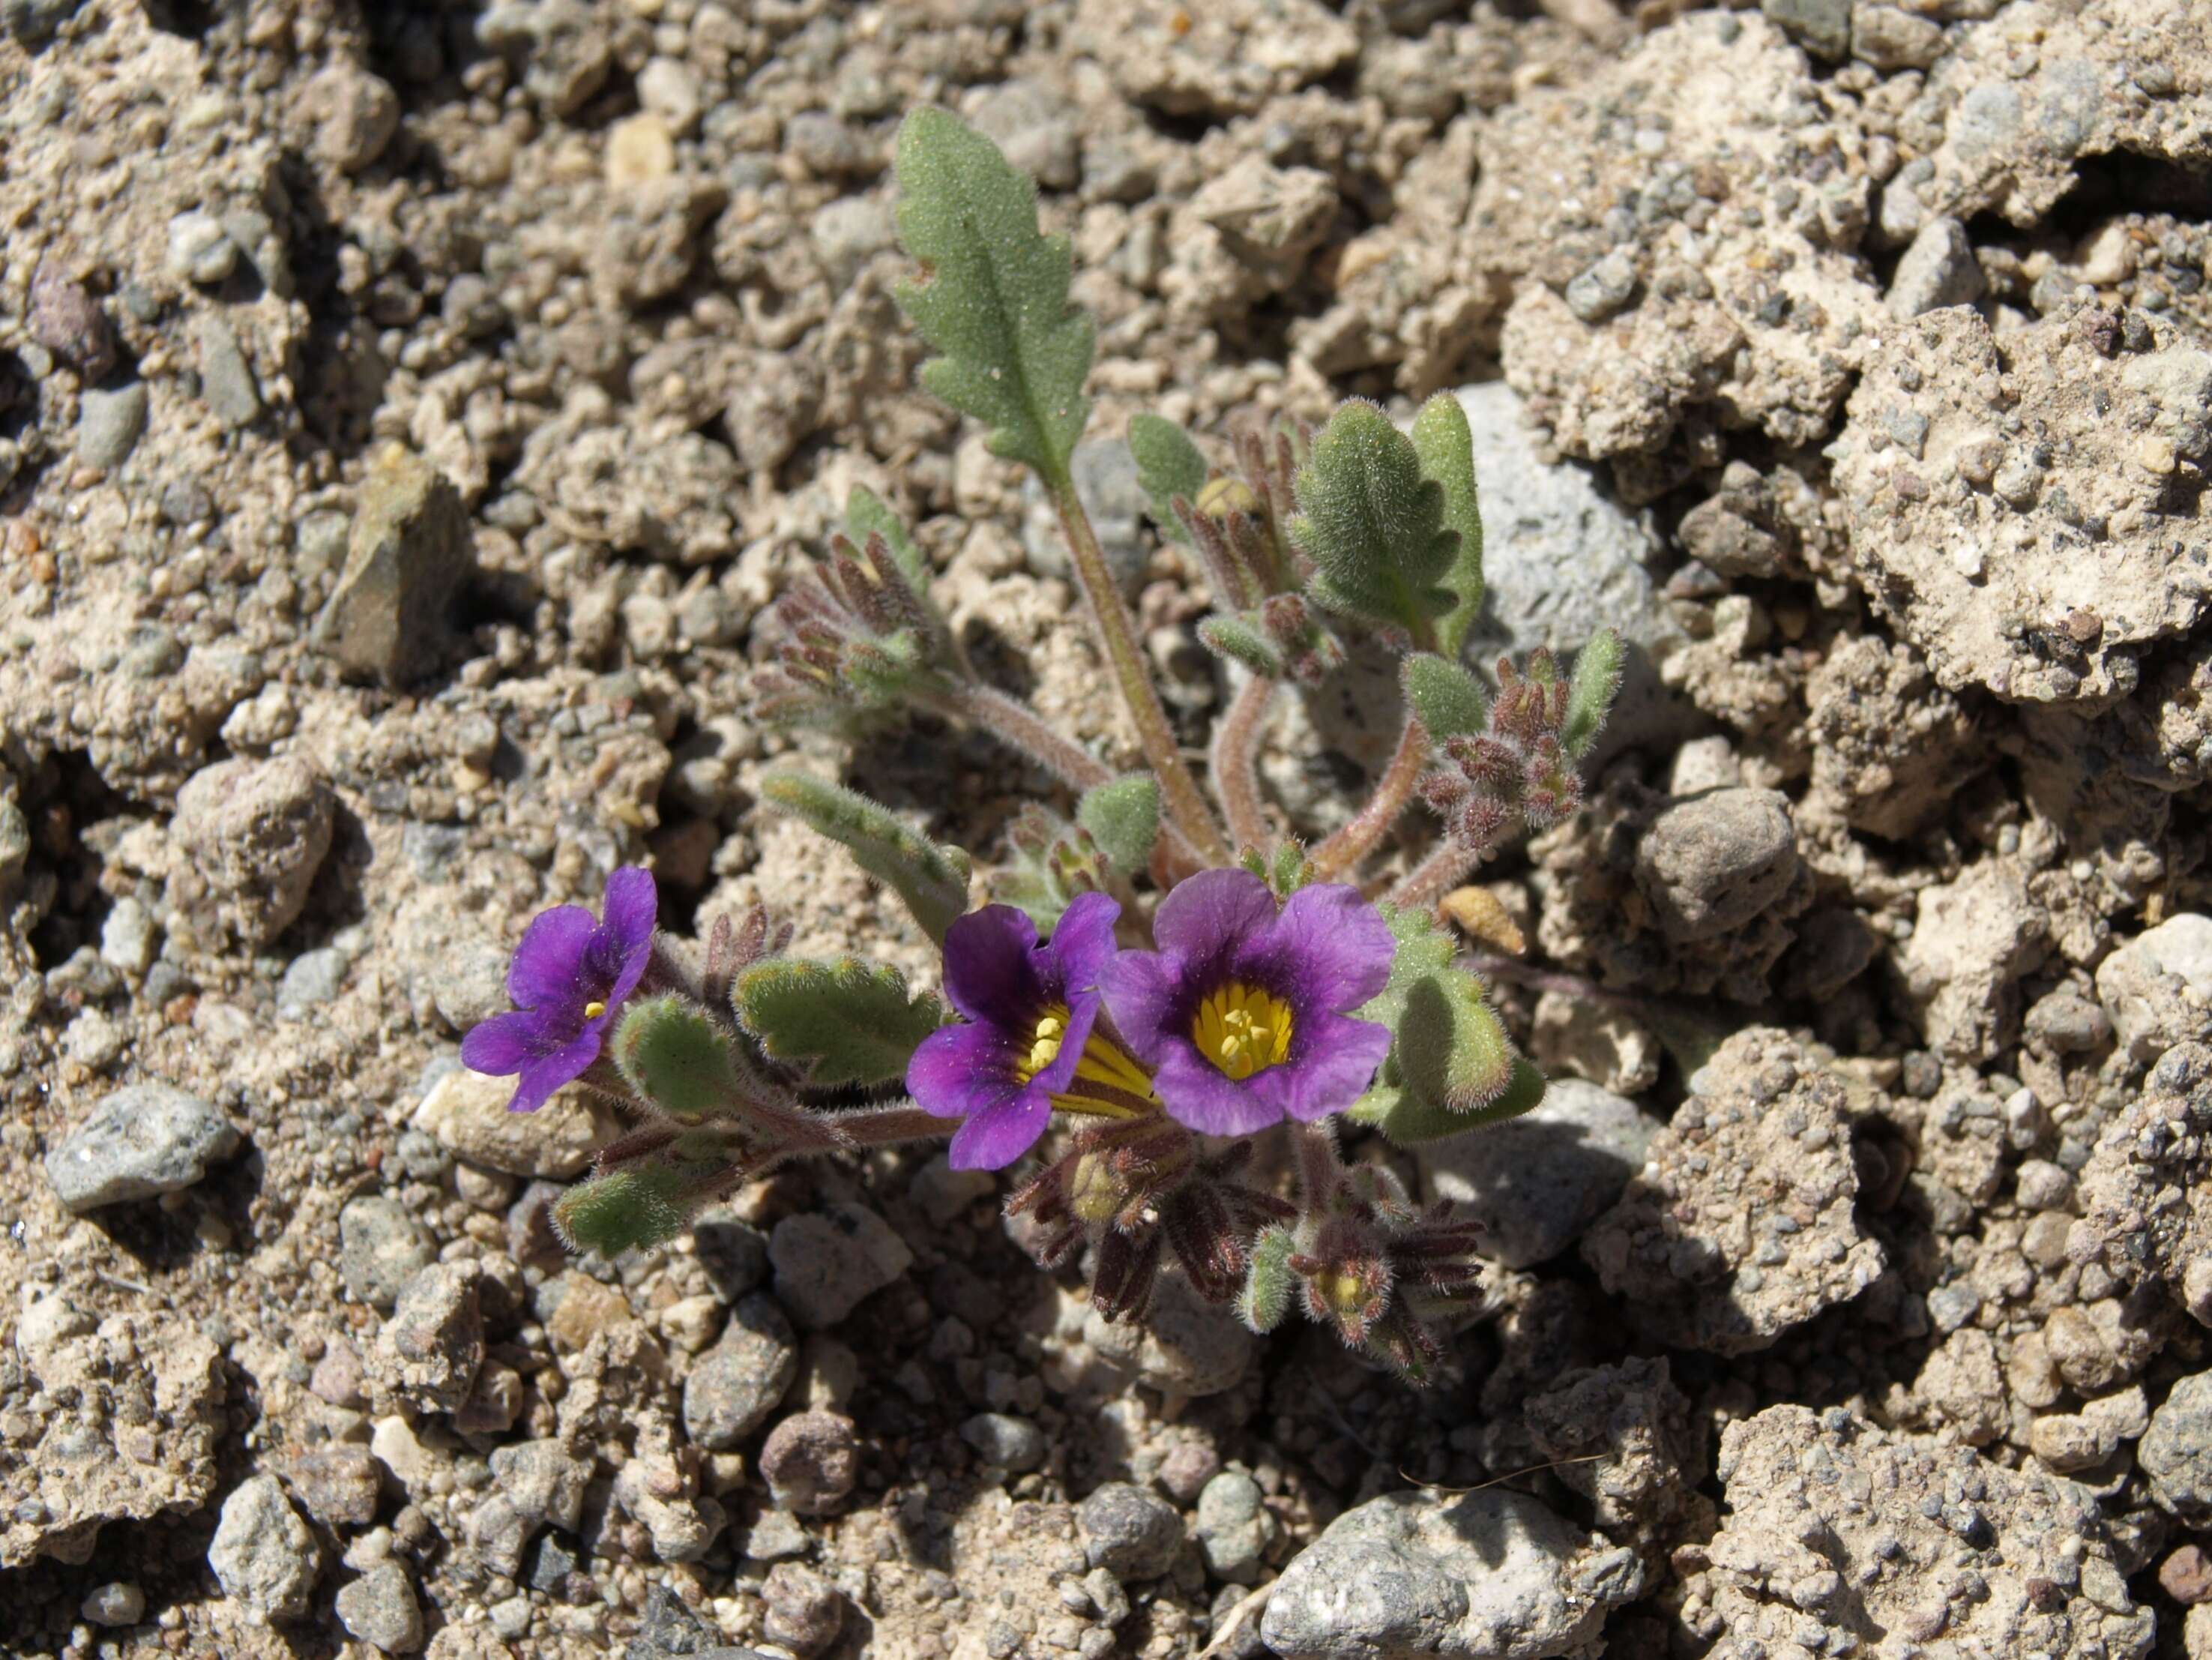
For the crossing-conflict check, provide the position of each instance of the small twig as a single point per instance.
(1235, 763)
(1342, 852)
(1228, 1636)
(1434, 876)
(884, 1126)
(1499, 1480)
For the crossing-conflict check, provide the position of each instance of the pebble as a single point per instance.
(358, 115)
(118, 1602)
(777, 1534)
(1012, 1444)
(1537, 1181)
(827, 1261)
(312, 979)
(466, 1112)
(65, 318)
(735, 1384)
(109, 424)
(143, 1139)
(1234, 1527)
(543, 1481)
(337, 1483)
(1823, 28)
(128, 936)
(804, 1609)
(1188, 1468)
(431, 1349)
(1714, 862)
(641, 150)
(809, 1461)
(262, 1553)
(379, 1608)
(200, 249)
(734, 1253)
(2175, 1452)
(226, 380)
(409, 552)
(1129, 1532)
(258, 831)
(1938, 270)
(2158, 986)
(1184, 1346)
(1603, 288)
(827, 146)
(381, 1246)
(1036, 129)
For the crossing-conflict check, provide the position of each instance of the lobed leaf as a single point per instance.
(1423, 949)
(670, 1053)
(866, 514)
(1167, 465)
(931, 878)
(1123, 818)
(847, 1022)
(1373, 524)
(993, 296)
(1446, 699)
(1445, 444)
(1590, 693)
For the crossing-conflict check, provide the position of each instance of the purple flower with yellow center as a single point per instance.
(1032, 1041)
(569, 979)
(1242, 1014)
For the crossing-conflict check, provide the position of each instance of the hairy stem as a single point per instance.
(1117, 636)
(1341, 852)
(884, 1127)
(1235, 763)
(1436, 875)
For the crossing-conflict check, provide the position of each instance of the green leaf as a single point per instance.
(1167, 465)
(1408, 1119)
(627, 1209)
(847, 1022)
(867, 513)
(1226, 633)
(1373, 524)
(993, 293)
(1423, 949)
(1452, 1049)
(676, 1058)
(1269, 1279)
(1123, 818)
(1445, 444)
(931, 878)
(1590, 693)
(1446, 699)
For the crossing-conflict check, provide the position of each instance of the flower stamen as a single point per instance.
(1243, 1029)
(1108, 1082)
(593, 1010)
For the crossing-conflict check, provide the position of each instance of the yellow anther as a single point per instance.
(1044, 1041)
(593, 1010)
(1243, 1029)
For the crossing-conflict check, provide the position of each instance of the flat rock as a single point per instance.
(410, 552)
(144, 1139)
(467, 1112)
(262, 1553)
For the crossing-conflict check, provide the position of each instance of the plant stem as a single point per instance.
(1117, 636)
(884, 1127)
(1234, 763)
(1434, 876)
(1341, 852)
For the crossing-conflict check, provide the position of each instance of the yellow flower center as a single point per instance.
(1108, 1082)
(1243, 1029)
(593, 1010)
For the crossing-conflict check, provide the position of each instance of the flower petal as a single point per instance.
(1329, 950)
(959, 1070)
(1208, 913)
(1083, 940)
(1141, 990)
(1329, 1068)
(501, 1045)
(544, 973)
(991, 969)
(1196, 1093)
(548, 1073)
(631, 904)
(993, 1138)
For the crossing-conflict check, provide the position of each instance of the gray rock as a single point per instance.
(776, 1534)
(227, 380)
(542, 1482)
(431, 1349)
(143, 1139)
(200, 249)
(850, 231)
(109, 424)
(34, 22)
(1603, 288)
(118, 1602)
(810, 1461)
(735, 1385)
(1823, 28)
(1183, 1345)
(127, 936)
(381, 1246)
(312, 980)
(262, 1552)
(827, 1261)
(1715, 861)
(1537, 1181)
(1234, 1527)
(2176, 1452)
(829, 148)
(1938, 270)
(380, 1608)
(804, 1609)
(62, 317)
(1037, 128)
(256, 832)
(408, 553)
(1562, 560)
(1892, 39)
(2157, 988)
(1011, 1443)
(1132, 1534)
(1494, 1575)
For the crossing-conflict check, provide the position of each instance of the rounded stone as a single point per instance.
(1129, 1531)
(735, 1385)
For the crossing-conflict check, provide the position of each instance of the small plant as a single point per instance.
(1162, 975)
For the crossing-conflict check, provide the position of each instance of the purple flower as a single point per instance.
(1032, 1041)
(569, 979)
(1241, 1013)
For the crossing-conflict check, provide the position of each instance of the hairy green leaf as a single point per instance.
(676, 1058)
(1240, 639)
(1590, 693)
(1373, 524)
(1423, 949)
(1167, 465)
(1123, 818)
(627, 1209)
(847, 1022)
(1407, 1118)
(993, 298)
(867, 513)
(1446, 699)
(1445, 444)
(1452, 1049)
(931, 878)
(1269, 1278)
